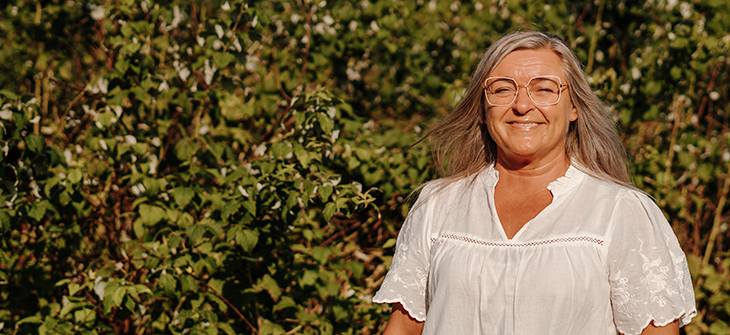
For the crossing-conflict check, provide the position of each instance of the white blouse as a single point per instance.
(600, 259)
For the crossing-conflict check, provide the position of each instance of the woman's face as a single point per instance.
(523, 131)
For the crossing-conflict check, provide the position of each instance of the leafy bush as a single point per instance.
(236, 167)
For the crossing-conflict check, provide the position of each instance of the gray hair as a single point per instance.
(462, 146)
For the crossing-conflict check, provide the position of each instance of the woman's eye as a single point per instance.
(545, 90)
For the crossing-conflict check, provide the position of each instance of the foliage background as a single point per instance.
(242, 166)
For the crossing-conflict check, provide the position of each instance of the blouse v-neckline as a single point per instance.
(556, 187)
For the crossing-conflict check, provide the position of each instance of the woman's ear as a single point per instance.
(573, 113)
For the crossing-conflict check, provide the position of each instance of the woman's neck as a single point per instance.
(529, 174)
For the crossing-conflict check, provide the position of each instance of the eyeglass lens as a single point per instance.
(542, 91)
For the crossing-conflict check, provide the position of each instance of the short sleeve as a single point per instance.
(407, 279)
(648, 270)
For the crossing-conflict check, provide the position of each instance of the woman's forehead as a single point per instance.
(528, 63)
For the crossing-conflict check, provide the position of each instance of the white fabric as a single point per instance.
(600, 259)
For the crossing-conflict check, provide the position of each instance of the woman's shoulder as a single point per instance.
(449, 187)
(614, 189)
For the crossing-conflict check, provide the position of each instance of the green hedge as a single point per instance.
(243, 166)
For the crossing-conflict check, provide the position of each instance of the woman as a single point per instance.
(536, 228)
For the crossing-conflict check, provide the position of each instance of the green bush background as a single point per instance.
(235, 167)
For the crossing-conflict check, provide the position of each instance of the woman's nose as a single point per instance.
(523, 103)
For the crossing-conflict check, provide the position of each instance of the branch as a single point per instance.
(220, 296)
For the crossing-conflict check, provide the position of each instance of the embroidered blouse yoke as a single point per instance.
(600, 259)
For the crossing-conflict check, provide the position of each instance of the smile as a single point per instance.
(524, 124)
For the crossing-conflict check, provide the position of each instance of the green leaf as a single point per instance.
(270, 328)
(325, 191)
(329, 210)
(229, 209)
(388, 244)
(185, 220)
(222, 59)
(285, 302)
(151, 215)
(250, 206)
(186, 149)
(34, 142)
(84, 315)
(321, 254)
(138, 228)
(195, 232)
(74, 176)
(10, 95)
(247, 239)
(269, 284)
(309, 278)
(167, 282)
(226, 328)
(183, 195)
(188, 284)
(325, 123)
(119, 295)
(37, 212)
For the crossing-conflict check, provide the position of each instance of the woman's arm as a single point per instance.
(401, 323)
(670, 329)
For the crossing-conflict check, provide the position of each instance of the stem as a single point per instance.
(716, 223)
(220, 296)
(673, 140)
(594, 37)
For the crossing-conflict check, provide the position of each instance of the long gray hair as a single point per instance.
(462, 146)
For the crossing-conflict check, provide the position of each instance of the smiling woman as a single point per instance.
(535, 228)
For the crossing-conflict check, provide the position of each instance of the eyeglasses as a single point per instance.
(543, 90)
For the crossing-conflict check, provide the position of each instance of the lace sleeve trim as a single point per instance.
(418, 316)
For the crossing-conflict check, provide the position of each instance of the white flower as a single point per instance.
(130, 139)
(103, 145)
(671, 4)
(243, 191)
(635, 73)
(685, 9)
(237, 45)
(153, 165)
(209, 71)
(219, 30)
(353, 25)
(374, 26)
(184, 74)
(714, 95)
(98, 13)
(455, 6)
(176, 17)
(138, 189)
(68, 155)
(295, 18)
(328, 20)
(163, 86)
(201, 41)
(99, 286)
(226, 6)
(260, 150)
